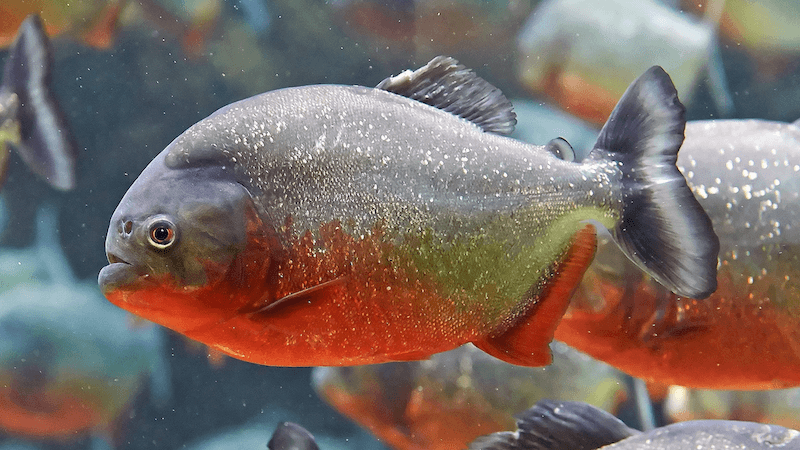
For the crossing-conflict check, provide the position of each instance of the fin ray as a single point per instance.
(449, 86)
(307, 295)
(552, 425)
(663, 228)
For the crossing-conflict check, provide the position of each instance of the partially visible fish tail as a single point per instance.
(45, 143)
(663, 228)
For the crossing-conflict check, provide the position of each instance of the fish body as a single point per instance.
(581, 53)
(31, 121)
(452, 398)
(554, 425)
(745, 336)
(70, 362)
(291, 436)
(471, 30)
(342, 225)
(776, 406)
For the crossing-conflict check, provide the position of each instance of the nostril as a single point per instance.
(127, 227)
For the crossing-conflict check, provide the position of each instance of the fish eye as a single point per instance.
(162, 233)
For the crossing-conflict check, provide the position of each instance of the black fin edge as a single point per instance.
(663, 228)
(554, 425)
(446, 84)
(46, 144)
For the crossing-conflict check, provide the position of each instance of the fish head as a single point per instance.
(184, 246)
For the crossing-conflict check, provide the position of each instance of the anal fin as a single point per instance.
(527, 342)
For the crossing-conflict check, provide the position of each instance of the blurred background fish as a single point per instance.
(577, 53)
(70, 363)
(454, 397)
(97, 23)
(31, 121)
(746, 174)
(116, 98)
(779, 406)
(561, 425)
(767, 30)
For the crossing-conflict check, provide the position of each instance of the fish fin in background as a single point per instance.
(561, 148)
(48, 246)
(45, 143)
(522, 344)
(446, 84)
(291, 436)
(285, 305)
(663, 229)
(104, 30)
(552, 425)
(4, 151)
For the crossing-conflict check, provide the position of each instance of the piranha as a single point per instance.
(31, 121)
(449, 400)
(745, 175)
(291, 436)
(555, 425)
(342, 225)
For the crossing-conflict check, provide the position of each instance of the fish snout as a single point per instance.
(124, 228)
(118, 240)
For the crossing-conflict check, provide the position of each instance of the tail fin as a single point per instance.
(45, 143)
(663, 229)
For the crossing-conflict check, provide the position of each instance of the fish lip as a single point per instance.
(114, 259)
(119, 274)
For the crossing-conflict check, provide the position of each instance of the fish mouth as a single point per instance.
(114, 259)
(119, 274)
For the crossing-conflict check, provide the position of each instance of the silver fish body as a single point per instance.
(556, 425)
(305, 190)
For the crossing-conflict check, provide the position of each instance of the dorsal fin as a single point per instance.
(552, 425)
(449, 86)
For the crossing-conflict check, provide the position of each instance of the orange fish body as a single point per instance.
(334, 225)
(744, 336)
(447, 401)
(93, 22)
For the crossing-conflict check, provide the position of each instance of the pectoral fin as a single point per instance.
(527, 342)
(299, 299)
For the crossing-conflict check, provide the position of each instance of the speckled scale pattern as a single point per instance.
(755, 182)
(360, 155)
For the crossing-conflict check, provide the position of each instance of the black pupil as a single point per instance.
(161, 233)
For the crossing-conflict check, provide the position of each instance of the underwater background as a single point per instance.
(166, 64)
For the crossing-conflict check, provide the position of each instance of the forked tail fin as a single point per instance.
(663, 228)
(45, 143)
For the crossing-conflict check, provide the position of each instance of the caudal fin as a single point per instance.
(45, 143)
(663, 229)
